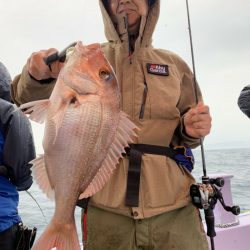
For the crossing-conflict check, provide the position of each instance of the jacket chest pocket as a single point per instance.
(156, 96)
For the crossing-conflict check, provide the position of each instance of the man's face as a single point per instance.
(134, 9)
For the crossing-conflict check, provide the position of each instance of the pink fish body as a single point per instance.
(85, 135)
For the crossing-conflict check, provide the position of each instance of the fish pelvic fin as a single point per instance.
(36, 110)
(124, 135)
(58, 236)
(41, 176)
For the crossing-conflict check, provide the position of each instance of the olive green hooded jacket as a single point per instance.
(164, 186)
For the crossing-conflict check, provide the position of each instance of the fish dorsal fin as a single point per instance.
(40, 174)
(123, 136)
(36, 110)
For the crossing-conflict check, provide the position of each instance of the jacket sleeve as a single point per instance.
(18, 148)
(25, 89)
(244, 100)
(186, 101)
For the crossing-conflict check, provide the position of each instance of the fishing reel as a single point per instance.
(206, 194)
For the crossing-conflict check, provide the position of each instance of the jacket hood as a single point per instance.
(5, 80)
(146, 30)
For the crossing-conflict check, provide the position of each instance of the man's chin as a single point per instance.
(133, 25)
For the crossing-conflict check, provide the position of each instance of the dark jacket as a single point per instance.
(18, 147)
(5, 80)
(244, 100)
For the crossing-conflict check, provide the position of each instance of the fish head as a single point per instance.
(88, 72)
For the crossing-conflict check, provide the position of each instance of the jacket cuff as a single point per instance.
(25, 184)
(188, 140)
(43, 81)
(25, 89)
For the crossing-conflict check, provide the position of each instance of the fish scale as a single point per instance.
(88, 141)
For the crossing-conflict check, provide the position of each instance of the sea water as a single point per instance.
(234, 162)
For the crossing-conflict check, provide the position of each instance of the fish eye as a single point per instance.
(104, 74)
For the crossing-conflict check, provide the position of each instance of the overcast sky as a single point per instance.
(221, 40)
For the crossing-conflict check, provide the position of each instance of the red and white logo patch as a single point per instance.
(157, 69)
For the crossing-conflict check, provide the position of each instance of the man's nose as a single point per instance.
(124, 1)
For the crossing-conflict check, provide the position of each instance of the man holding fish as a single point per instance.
(145, 203)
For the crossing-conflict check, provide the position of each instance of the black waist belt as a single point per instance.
(135, 153)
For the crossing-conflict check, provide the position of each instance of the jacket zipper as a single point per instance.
(144, 98)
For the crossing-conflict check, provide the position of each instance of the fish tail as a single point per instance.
(60, 237)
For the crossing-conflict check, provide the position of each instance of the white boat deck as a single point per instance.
(235, 237)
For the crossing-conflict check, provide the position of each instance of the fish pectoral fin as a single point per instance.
(36, 110)
(41, 176)
(124, 135)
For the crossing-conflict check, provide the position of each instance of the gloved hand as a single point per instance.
(3, 171)
(37, 67)
(21, 178)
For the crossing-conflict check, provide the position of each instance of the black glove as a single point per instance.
(3, 171)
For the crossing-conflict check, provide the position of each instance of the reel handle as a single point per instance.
(209, 217)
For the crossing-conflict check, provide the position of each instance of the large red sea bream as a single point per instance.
(85, 135)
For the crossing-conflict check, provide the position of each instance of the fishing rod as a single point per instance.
(195, 86)
(33, 198)
(205, 195)
(209, 215)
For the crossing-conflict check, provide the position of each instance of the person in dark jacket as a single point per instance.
(16, 151)
(244, 100)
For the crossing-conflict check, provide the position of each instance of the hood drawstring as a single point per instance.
(129, 44)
